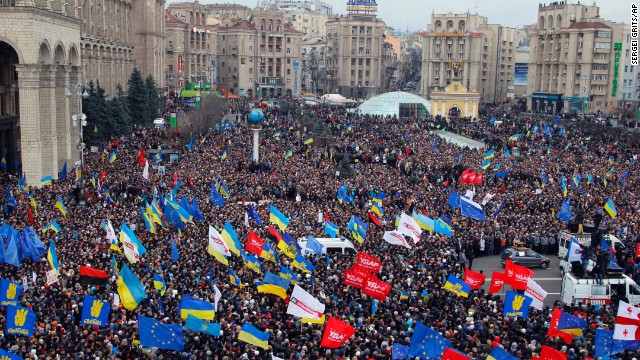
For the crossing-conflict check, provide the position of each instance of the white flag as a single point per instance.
(470, 193)
(246, 219)
(130, 249)
(396, 238)
(535, 292)
(217, 243)
(304, 305)
(575, 251)
(145, 172)
(627, 322)
(487, 198)
(409, 227)
(111, 234)
(216, 297)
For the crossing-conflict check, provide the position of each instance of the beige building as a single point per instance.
(223, 11)
(148, 38)
(572, 60)
(310, 24)
(314, 70)
(39, 55)
(190, 47)
(355, 64)
(260, 56)
(487, 50)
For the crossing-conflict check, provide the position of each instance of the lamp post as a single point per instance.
(79, 120)
(585, 93)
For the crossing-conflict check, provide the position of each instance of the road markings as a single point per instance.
(547, 279)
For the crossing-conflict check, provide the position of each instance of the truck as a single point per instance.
(564, 239)
(330, 245)
(587, 291)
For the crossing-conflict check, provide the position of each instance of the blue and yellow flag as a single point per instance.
(251, 262)
(20, 321)
(266, 288)
(9, 292)
(377, 209)
(224, 155)
(52, 257)
(303, 264)
(308, 140)
(148, 222)
(425, 222)
(563, 183)
(195, 324)
(331, 229)
(288, 154)
(288, 274)
(199, 308)
(276, 217)
(3, 163)
(403, 295)
(159, 283)
(571, 324)
(610, 207)
(235, 280)
(152, 333)
(47, 180)
(499, 353)
(5, 355)
(54, 226)
(486, 164)
(516, 305)
(60, 206)
(230, 238)
(457, 286)
(268, 253)
(489, 154)
(130, 289)
(253, 336)
(95, 312)
(113, 157)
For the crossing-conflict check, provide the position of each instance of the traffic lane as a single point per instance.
(549, 279)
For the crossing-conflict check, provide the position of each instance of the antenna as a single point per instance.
(476, 7)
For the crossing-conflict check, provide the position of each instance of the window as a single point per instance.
(580, 44)
(601, 45)
(603, 34)
(353, 41)
(626, 68)
(288, 71)
(601, 77)
(288, 81)
(353, 73)
(353, 61)
(288, 50)
(250, 70)
(289, 40)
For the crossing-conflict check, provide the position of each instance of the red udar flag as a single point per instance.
(141, 158)
(376, 289)
(516, 275)
(478, 179)
(497, 280)
(254, 244)
(354, 278)
(637, 250)
(451, 354)
(336, 333)
(553, 327)
(549, 353)
(368, 262)
(474, 279)
(472, 177)
(92, 276)
(464, 178)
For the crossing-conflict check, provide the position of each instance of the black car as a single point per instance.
(525, 257)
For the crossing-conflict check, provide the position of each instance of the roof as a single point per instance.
(588, 25)
(288, 27)
(241, 25)
(170, 19)
(389, 103)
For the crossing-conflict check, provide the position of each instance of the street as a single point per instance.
(550, 278)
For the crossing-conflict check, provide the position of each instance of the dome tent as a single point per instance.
(398, 103)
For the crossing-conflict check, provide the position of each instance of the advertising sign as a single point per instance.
(214, 72)
(296, 63)
(520, 74)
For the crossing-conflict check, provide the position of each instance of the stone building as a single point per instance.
(148, 38)
(39, 56)
(572, 63)
(314, 70)
(224, 11)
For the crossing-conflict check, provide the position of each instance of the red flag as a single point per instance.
(464, 178)
(368, 262)
(103, 175)
(336, 333)
(553, 327)
(273, 232)
(478, 179)
(516, 275)
(375, 219)
(254, 244)
(451, 354)
(92, 276)
(472, 177)
(446, 183)
(175, 179)
(141, 157)
(353, 278)
(424, 212)
(474, 279)
(31, 217)
(637, 250)
(376, 289)
(326, 217)
(497, 280)
(115, 144)
(549, 353)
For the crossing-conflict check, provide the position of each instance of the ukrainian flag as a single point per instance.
(490, 154)
(235, 280)
(515, 137)
(224, 191)
(54, 226)
(425, 222)
(199, 308)
(457, 286)
(288, 154)
(499, 353)
(377, 209)
(289, 250)
(230, 238)
(224, 155)
(253, 336)
(397, 223)
(148, 223)
(308, 140)
(276, 217)
(53, 257)
(266, 288)
(60, 205)
(184, 215)
(610, 207)
(403, 295)
(486, 164)
(302, 264)
(159, 283)
(113, 157)
(47, 180)
(331, 229)
(251, 262)
(268, 253)
(288, 274)
(130, 289)
(564, 186)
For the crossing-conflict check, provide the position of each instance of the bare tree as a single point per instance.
(199, 120)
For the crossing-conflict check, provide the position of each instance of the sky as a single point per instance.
(403, 14)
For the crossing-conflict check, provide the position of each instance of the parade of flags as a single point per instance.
(251, 335)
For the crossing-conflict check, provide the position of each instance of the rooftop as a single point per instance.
(588, 25)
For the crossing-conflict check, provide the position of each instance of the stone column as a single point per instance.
(74, 132)
(30, 145)
(63, 118)
(48, 121)
(466, 107)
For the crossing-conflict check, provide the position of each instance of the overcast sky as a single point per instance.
(416, 14)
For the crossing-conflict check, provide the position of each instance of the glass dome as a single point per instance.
(398, 103)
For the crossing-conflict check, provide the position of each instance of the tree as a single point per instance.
(199, 120)
(153, 100)
(137, 96)
(95, 108)
(119, 118)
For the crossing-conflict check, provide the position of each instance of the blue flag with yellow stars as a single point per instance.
(427, 343)
(95, 312)
(155, 334)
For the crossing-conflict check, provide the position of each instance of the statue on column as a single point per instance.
(455, 66)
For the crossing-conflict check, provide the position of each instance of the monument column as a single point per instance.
(30, 145)
(63, 118)
(48, 121)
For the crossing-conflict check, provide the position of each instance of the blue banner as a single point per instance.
(516, 305)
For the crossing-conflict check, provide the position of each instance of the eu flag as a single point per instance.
(399, 352)
(95, 312)
(314, 245)
(154, 334)
(571, 324)
(565, 211)
(20, 321)
(606, 346)
(427, 343)
(175, 254)
(254, 215)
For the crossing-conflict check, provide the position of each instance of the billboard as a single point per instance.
(521, 72)
(214, 72)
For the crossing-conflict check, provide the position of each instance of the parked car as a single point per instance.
(525, 257)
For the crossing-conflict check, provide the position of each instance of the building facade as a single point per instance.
(355, 64)
(487, 51)
(37, 62)
(237, 57)
(630, 83)
(314, 70)
(148, 38)
(224, 11)
(572, 63)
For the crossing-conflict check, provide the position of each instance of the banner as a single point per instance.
(368, 262)
(474, 279)
(409, 227)
(336, 333)
(396, 238)
(353, 278)
(516, 275)
(376, 289)
(497, 280)
(521, 70)
(304, 305)
(536, 293)
(516, 305)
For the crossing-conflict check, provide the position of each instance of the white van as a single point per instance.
(159, 123)
(588, 291)
(331, 245)
(564, 239)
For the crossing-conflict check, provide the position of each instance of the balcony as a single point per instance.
(7, 3)
(270, 80)
(601, 50)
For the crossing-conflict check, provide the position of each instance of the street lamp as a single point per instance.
(79, 119)
(585, 93)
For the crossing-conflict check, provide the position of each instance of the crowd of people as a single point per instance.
(403, 158)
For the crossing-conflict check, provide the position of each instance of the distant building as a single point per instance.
(314, 70)
(572, 63)
(231, 11)
(630, 82)
(311, 6)
(307, 16)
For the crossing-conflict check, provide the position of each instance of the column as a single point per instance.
(48, 122)
(475, 107)
(442, 110)
(30, 146)
(73, 109)
(466, 107)
(63, 118)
